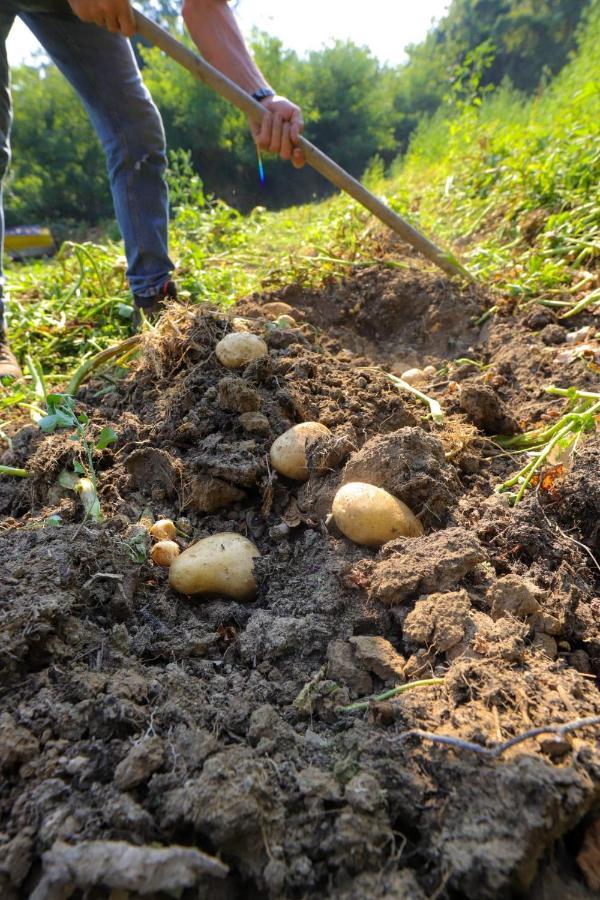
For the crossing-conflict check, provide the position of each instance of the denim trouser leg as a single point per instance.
(102, 69)
(6, 20)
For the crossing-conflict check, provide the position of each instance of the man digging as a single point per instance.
(87, 40)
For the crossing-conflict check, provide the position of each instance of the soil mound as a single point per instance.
(151, 743)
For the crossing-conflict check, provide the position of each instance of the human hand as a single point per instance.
(280, 129)
(116, 15)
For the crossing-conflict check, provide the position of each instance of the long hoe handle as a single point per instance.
(206, 73)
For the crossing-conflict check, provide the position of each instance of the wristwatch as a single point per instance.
(263, 93)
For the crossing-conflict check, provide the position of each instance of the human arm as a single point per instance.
(215, 32)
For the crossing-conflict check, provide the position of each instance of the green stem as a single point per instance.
(542, 455)
(594, 297)
(393, 692)
(37, 377)
(80, 248)
(486, 315)
(87, 367)
(16, 473)
(566, 392)
(87, 491)
(437, 413)
(61, 305)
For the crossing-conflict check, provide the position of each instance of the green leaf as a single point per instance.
(77, 467)
(48, 424)
(106, 437)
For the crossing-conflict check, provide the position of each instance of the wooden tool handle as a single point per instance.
(230, 91)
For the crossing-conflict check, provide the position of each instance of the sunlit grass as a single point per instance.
(512, 185)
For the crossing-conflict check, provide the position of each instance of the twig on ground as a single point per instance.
(498, 749)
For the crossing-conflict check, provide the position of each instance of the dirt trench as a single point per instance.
(152, 743)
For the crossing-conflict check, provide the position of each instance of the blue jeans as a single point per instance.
(102, 69)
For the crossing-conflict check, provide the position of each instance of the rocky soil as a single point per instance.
(157, 745)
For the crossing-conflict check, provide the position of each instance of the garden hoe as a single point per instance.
(230, 91)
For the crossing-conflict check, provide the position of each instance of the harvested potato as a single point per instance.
(164, 553)
(163, 530)
(413, 376)
(288, 452)
(285, 322)
(220, 564)
(240, 348)
(370, 516)
(277, 308)
(238, 323)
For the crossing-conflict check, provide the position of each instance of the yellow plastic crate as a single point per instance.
(29, 241)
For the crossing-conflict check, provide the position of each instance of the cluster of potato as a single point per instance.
(224, 563)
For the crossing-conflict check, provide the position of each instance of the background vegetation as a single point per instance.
(511, 183)
(356, 108)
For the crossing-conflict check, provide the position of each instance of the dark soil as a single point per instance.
(147, 738)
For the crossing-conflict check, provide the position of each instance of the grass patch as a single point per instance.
(512, 184)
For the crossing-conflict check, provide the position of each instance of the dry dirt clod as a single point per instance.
(513, 596)
(545, 644)
(155, 468)
(236, 395)
(141, 762)
(377, 655)
(255, 423)
(411, 465)
(122, 866)
(342, 667)
(410, 567)
(207, 495)
(17, 744)
(485, 409)
(553, 334)
(588, 858)
(440, 621)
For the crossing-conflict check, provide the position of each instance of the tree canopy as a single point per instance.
(355, 107)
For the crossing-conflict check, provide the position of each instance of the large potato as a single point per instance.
(240, 348)
(370, 516)
(220, 564)
(288, 452)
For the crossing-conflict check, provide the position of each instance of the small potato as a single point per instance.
(429, 371)
(285, 322)
(370, 516)
(164, 553)
(413, 376)
(238, 323)
(239, 348)
(288, 452)
(276, 308)
(220, 564)
(163, 530)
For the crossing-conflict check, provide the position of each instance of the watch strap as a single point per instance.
(263, 93)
